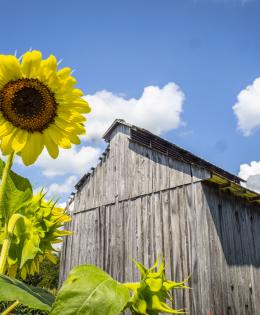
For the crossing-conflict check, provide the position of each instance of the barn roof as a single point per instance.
(148, 139)
(223, 179)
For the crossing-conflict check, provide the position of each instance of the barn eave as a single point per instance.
(238, 190)
(222, 179)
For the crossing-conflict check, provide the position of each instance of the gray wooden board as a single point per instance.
(211, 235)
(130, 170)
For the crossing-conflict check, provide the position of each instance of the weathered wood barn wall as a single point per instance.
(147, 198)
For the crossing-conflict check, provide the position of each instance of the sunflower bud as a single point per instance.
(150, 295)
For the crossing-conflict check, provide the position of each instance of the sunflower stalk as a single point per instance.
(11, 307)
(4, 254)
(6, 172)
(7, 240)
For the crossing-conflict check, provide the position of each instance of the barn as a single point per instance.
(148, 197)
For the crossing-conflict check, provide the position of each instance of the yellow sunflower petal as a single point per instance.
(77, 93)
(19, 140)
(78, 106)
(58, 81)
(83, 110)
(70, 133)
(71, 116)
(74, 138)
(69, 95)
(47, 69)
(30, 63)
(33, 148)
(50, 63)
(58, 137)
(61, 123)
(10, 69)
(64, 73)
(66, 87)
(51, 146)
(80, 129)
(72, 127)
(6, 144)
(5, 128)
(82, 106)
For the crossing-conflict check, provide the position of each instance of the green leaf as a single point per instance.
(18, 190)
(21, 183)
(30, 249)
(90, 291)
(13, 290)
(141, 268)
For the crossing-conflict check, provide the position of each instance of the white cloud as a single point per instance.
(58, 190)
(247, 170)
(61, 189)
(158, 110)
(251, 173)
(73, 161)
(247, 108)
(62, 204)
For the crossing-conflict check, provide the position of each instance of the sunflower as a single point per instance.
(39, 106)
(39, 225)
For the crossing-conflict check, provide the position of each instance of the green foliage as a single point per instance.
(90, 291)
(12, 289)
(32, 227)
(48, 276)
(22, 310)
(150, 294)
(35, 234)
(17, 190)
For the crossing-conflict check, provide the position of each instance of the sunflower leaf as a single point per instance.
(18, 190)
(21, 183)
(90, 291)
(12, 290)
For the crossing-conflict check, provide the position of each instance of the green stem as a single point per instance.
(6, 241)
(10, 308)
(5, 174)
(4, 254)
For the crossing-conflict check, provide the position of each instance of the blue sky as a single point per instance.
(209, 49)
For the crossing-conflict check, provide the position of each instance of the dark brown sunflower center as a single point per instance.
(28, 104)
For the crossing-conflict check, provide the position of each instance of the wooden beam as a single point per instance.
(224, 186)
(254, 199)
